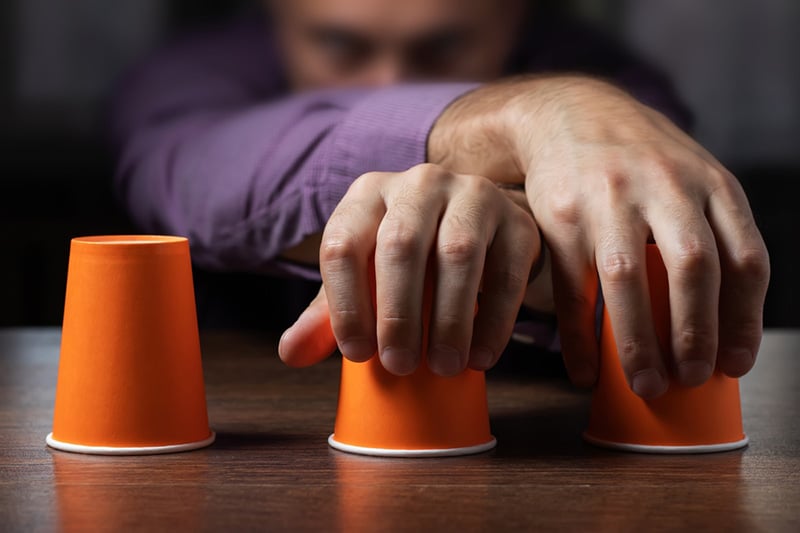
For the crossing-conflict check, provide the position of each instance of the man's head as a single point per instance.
(377, 42)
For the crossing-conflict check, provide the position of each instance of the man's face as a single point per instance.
(328, 43)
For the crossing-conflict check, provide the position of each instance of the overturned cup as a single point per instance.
(419, 415)
(130, 378)
(701, 419)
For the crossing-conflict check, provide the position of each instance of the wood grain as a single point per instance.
(271, 468)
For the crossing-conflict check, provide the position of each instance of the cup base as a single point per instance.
(393, 452)
(128, 450)
(648, 448)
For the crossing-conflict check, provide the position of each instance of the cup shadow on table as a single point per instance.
(255, 440)
(547, 432)
(544, 430)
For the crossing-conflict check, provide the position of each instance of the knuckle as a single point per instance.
(693, 340)
(575, 300)
(459, 249)
(746, 333)
(724, 185)
(346, 322)
(565, 208)
(723, 180)
(427, 171)
(632, 351)
(399, 243)
(695, 258)
(498, 325)
(449, 327)
(616, 183)
(365, 183)
(393, 319)
(478, 185)
(338, 246)
(753, 263)
(665, 167)
(369, 176)
(620, 267)
(510, 281)
(395, 329)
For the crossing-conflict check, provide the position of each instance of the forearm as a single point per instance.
(255, 185)
(499, 129)
(502, 129)
(496, 130)
(228, 181)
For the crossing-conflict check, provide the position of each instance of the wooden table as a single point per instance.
(271, 468)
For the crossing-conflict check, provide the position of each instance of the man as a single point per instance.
(406, 135)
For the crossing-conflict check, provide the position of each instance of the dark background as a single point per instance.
(734, 62)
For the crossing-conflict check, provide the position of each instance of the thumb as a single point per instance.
(310, 339)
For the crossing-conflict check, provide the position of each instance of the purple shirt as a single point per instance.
(213, 146)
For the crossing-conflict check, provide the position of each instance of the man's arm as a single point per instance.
(604, 174)
(209, 149)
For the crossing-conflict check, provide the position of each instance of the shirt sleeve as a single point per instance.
(204, 154)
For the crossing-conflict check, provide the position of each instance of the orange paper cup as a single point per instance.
(419, 415)
(130, 378)
(700, 419)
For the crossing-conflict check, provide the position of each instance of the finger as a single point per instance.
(508, 263)
(621, 263)
(404, 240)
(574, 278)
(690, 256)
(575, 298)
(463, 238)
(347, 244)
(745, 276)
(310, 339)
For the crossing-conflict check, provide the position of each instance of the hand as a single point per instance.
(604, 174)
(461, 229)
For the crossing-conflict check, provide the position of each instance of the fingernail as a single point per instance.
(737, 361)
(285, 334)
(481, 358)
(357, 348)
(280, 342)
(445, 361)
(694, 373)
(648, 383)
(399, 361)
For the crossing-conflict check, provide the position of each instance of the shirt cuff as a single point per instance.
(387, 131)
